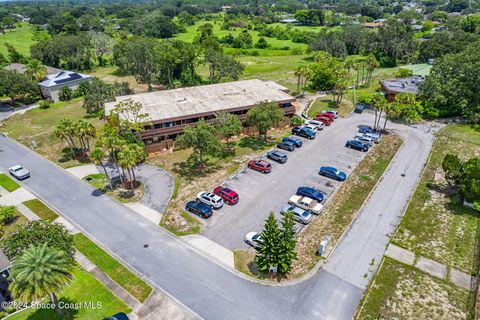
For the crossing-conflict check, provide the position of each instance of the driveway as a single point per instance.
(158, 184)
(205, 287)
(261, 194)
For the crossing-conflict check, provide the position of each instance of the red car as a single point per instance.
(326, 114)
(326, 120)
(228, 195)
(260, 165)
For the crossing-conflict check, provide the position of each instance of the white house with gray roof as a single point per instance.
(53, 84)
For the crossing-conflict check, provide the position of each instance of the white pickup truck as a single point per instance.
(306, 203)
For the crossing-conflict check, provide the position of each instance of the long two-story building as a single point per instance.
(171, 111)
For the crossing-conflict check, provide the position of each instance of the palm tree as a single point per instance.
(85, 130)
(111, 140)
(97, 155)
(36, 70)
(65, 129)
(127, 159)
(40, 272)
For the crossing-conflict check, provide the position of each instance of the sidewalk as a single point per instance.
(429, 266)
(211, 248)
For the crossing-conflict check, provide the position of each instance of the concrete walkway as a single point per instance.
(146, 212)
(15, 197)
(429, 266)
(83, 171)
(211, 248)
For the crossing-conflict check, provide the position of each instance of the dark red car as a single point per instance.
(228, 195)
(326, 120)
(326, 114)
(260, 165)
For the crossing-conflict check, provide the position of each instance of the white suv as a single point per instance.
(210, 199)
(318, 124)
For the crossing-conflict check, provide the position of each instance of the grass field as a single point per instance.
(114, 269)
(35, 129)
(403, 292)
(41, 210)
(84, 289)
(436, 225)
(7, 183)
(191, 32)
(344, 108)
(21, 38)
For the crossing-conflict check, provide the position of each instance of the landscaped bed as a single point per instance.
(339, 212)
(100, 181)
(114, 269)
(41, 210)
(323, 103)
(436, 225)
(7, 183)
(84, 289)
(403, 292)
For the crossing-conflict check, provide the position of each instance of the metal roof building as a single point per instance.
(170, 111)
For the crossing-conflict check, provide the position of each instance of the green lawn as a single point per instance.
(41, 210)
(436, 225)
(114, 269)
(84, 289)
(191, 32)
(326, 102)
(22, 38)
(7, 183)
(35, 129)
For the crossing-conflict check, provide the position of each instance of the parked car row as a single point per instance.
(364, 139)
(206, 202)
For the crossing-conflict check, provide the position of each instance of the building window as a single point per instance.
(157, 126)
(167, 124)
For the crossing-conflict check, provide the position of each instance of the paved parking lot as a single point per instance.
(262, 193)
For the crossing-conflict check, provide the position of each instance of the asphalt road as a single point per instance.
(202, 285)
(261, 194)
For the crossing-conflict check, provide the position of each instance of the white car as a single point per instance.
(19, 172)
(363, 138)
(320, 125)
(374, 136)
(306, 203)
(311, 127)
(334, 112)
(210, 199)
(253, 238)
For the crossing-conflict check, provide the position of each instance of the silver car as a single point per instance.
(19, 172)
(299, 215)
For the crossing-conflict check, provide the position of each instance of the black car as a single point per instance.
(304, 132)
(357, 145)
(286, 145)
(278, 156)
(199, 208)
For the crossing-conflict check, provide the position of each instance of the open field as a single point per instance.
(22, 38)
(111, 75)
(403, 292)
(191, 32)
(41, 210)
(35, 129)
(7, 183)
(436, 225)
(84, 288)
(114, 269)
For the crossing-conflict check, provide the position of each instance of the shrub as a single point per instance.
(66, 94)
(44, 104)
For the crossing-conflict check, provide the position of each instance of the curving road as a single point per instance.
(209, 289)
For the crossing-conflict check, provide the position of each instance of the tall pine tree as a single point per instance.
(286, 245)
(267, 251)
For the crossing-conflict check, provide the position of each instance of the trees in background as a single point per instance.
(18, 87)
(465, 176)
(72, 132)
(452, 89)
(324, 72)
(97, 94)
(265, 116)
(36, 70)
(228, 124)
(312, 17)
(41, 271)
(221, 67)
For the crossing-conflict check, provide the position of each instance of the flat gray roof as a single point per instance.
(4, 262)
(403, 85)
(181, 102)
